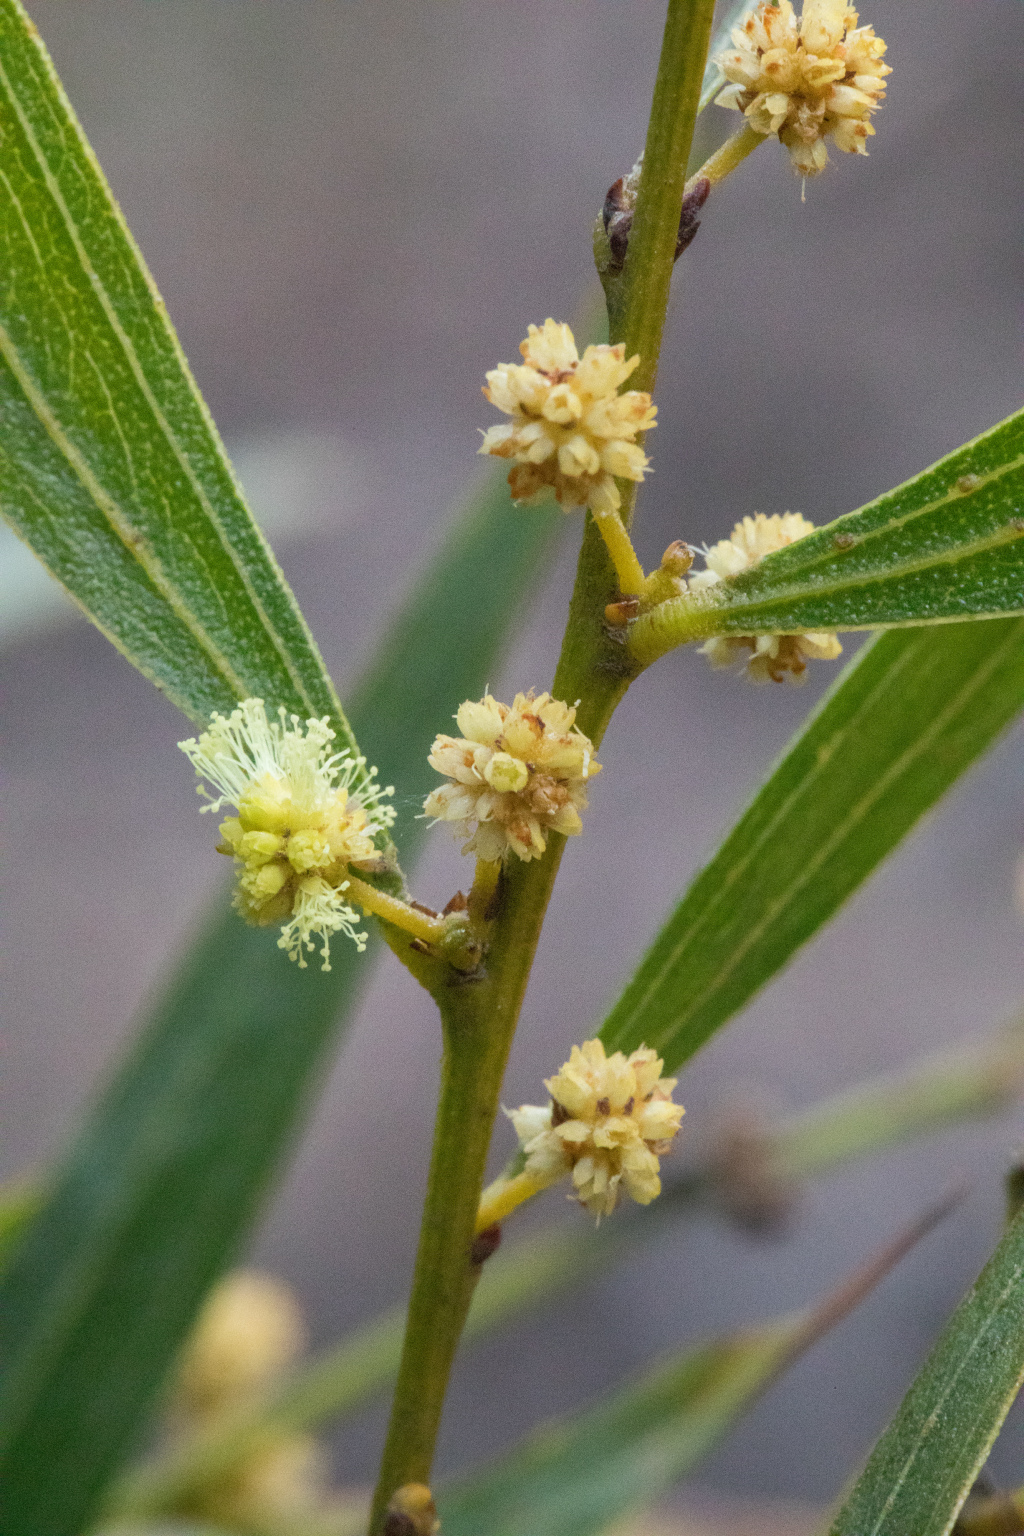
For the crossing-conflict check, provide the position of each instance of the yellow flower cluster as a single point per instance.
(609, 1121)
(768, 658)
(518, 771)
(571, 432)
(821, 77)
(248, 1334)
(299, 824)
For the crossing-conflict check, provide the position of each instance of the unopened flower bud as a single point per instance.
(517, 772)
(411, 1512)
(677, 559)
(571, 431)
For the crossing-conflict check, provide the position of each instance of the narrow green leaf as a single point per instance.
(907, 717)
(110, 466)
(948, 544)
(573, 1478)
(20, 1201)
(173, 1163)
(576, 1476)
(924, 1466)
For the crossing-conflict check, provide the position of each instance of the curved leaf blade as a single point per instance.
(910, 714)
(924, 1465)
(111, 468)
(947, 545)
(578, 1475)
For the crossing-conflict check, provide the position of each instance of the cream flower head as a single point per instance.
(821, 77)
(768, 658)
(609, 1121)
(249, 1331)
(571, 432)
(300, 823)
(518, 771)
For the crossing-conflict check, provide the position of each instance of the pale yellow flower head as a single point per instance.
(518, 772)
(767, 658)
(300, 822)
(249, 1331)
(810, 80)
(610, 1120)
(570, 432)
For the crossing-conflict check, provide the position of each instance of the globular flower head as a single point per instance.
(249, 1331)
(570, 432)
(610, 1120)
(517, 772)
(300, 823)
(808, 80)
(767, 658)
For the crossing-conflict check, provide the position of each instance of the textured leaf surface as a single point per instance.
(575, 1477)
(923, 1467)
(907, 717)
(110, 466)
(170, 1170)
(948, 544)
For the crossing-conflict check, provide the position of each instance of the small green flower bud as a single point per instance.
(506, 774)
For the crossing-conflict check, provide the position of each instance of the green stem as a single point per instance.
(945, 1089)
(652, 240)
(479, 1020)
(479, 1016)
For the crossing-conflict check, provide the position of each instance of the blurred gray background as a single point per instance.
(353, 210)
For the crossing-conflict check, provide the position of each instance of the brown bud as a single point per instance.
(484, 1244)
(614, 200)
(618, 615)
(411, 1512)
(677, 559)
(458, 903)
(418, 905)
(689, 224)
